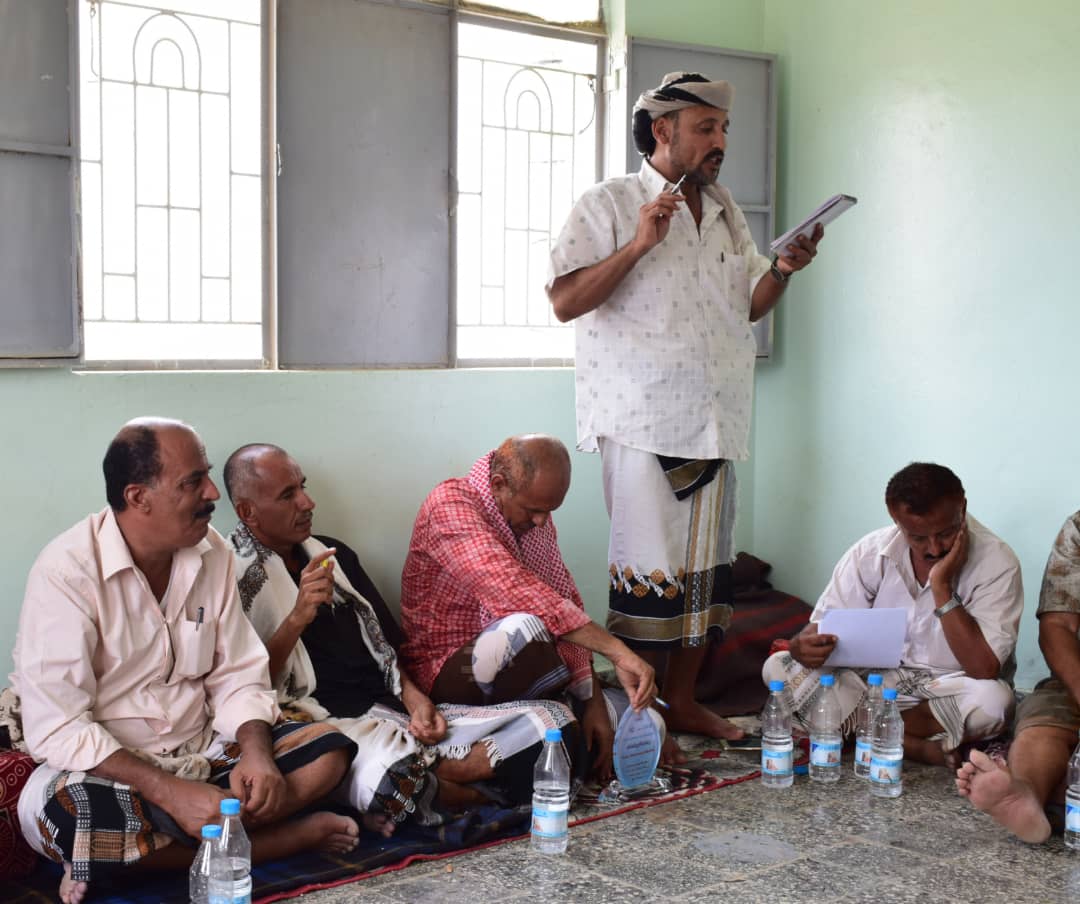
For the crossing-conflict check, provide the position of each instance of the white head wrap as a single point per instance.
(680, 90)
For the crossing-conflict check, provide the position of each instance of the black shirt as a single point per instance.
(347, 678)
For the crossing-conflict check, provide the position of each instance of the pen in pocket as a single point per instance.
(198, 618)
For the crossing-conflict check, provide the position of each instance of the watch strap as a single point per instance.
(779, 275)
(952, 603)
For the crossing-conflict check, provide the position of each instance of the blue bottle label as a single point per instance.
(824, 753)
(1072, 816)
(885, 770)
(862, 753)
(776, 762)
(551, 823)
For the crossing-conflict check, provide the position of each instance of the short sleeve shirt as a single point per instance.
(666, 364)
(1061, 580)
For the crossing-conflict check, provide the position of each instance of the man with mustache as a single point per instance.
(662, 277)
(961, 587)
(145, 693)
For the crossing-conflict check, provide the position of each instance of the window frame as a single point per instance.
(511, 23)
(268, 196)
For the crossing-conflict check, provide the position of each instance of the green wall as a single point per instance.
(940, 319)
(372, 444)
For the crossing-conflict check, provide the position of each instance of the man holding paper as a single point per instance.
(960, 587)
(660, 272)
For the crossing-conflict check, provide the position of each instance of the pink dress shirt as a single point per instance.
(101, 665)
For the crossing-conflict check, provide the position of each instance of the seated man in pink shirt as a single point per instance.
(489, 611)
(145, 692)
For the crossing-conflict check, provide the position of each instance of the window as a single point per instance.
(171, 180)
(527, 147)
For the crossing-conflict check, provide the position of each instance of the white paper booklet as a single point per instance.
(866, 638)
(824, 215)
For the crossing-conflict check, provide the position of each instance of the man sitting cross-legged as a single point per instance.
(1048, 719)
(145, 691)
(489, 609)
(332, 644)
(961, 588)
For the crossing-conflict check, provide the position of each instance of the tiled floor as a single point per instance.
(748, 844)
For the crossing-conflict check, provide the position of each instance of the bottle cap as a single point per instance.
(230, 806)
(873, 679)
(827, 680)
(889, 693)
(553, 734)
(211, 831)
(776, 686)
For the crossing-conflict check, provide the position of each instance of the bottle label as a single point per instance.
(775, 762)
(862, 753)
(1072, 815)
(885, 770)
(550, 822)
(824, 753)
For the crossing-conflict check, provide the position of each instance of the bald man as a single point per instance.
(145, 694)
(489, 610)
(333, 652)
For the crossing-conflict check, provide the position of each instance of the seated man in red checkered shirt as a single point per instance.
(489, 611)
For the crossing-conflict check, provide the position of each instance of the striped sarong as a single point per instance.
(671, 547)
(98, 825)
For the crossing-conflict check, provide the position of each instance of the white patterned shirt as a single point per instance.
(666, 364)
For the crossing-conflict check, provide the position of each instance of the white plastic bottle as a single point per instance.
(199, 874)
(231, 885)
(1072, 803)
(887, 752)
(825, 733)
(551, 797)
(776, 747)
(864, 724)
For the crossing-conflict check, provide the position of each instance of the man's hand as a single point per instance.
(944, 572)
(316, 588)
(259, 785)
(637, 678)
(811, 649)
(194, 805)
(799, 253)
(599, 735)
(654, 220)
(426, 723)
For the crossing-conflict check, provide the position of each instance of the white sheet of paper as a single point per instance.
(866, 638)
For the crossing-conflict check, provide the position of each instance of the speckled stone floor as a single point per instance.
(750, 844)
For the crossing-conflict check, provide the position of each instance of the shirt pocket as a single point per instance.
(735, 283)
(194, 648)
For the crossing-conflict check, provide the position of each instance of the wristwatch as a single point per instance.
(948, 606)
(779, 275)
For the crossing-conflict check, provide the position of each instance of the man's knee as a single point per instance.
(993, 706)
(775, 667)
(502, 640)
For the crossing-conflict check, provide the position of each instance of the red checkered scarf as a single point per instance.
(538, 550)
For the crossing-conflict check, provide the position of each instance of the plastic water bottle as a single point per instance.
(887, 752)
(1072, 803)
(231, 884)
(551, 797)
(825, 733)
(864, 725)
(776, 747)
(199, 874)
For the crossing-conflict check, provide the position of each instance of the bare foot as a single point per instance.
(1009, 801)
(379, 823)
(330, 832)
(694, 718)
(72, 892)
(671, 754)
(922, 750)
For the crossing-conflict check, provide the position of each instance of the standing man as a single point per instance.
(664, 285)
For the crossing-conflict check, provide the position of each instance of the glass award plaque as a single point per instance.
(635, 753)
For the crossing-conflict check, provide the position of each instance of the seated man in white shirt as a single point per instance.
(145, 691)
(962, 589)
